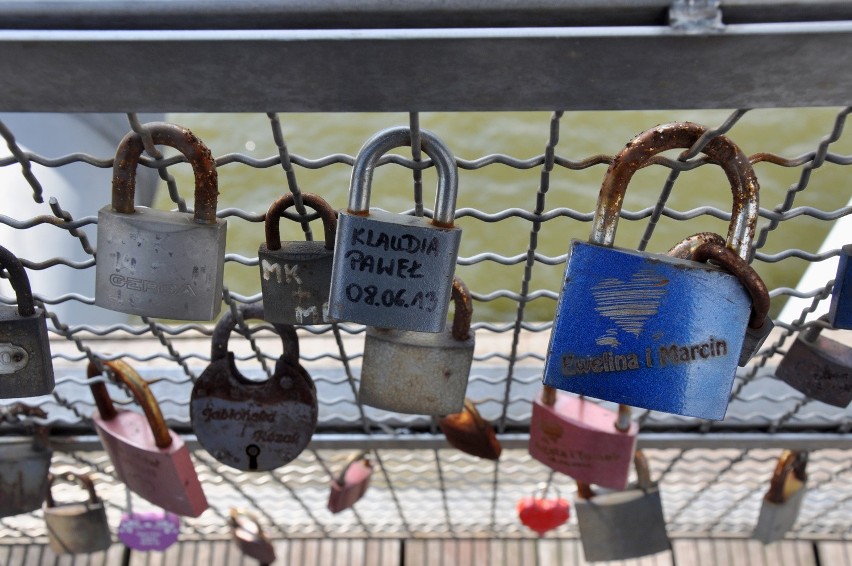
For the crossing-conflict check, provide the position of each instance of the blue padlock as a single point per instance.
(840, 313)
(646, 329)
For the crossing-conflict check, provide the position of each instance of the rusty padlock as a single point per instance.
(581, 439)
(24, 465)
(154, 262)
(295, 276)
(76, 528)
(351, 484)
(150, 459)
(819, 367)
(469, 432)
(249, 536)
(422, 373)
(783, 500)
(25, 363)
(622, 524)
(250, 425)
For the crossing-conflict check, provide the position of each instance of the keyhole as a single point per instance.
(253, 451)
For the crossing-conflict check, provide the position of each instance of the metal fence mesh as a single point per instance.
(421, 488)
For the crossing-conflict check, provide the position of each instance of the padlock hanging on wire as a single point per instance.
(24, 464)
(351, 484)
(76, 528)
(395, 270)
(469, 432)
(783, 500)
(645, 329)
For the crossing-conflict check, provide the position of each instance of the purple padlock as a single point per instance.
(149, 530)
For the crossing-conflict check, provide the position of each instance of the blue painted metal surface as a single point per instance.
(840, 314)
(647, 330)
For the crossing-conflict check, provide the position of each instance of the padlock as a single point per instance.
(249, 536)
(419, 372)
(76, 528)
(622, 524)
(351, 484)
(150, 459)
(25, 362)
(295, 276)
(159, 263)
(542, 514)
(583, 440)
(469, 432)
(645, 329)
(253, 425)
(149, 530)
(394, 270)
(783, 500)
(840, 312)
(24, 465)
(819, 367)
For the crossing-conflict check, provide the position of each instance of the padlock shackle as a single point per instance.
(19, 280)
(203, 166)
(643, 477)
(463, 310)
(746, 275)
(790, 462)
(140, 391)
(813, 330)
(83, 479)
(386, 140)
(316, 202)
(720, 150)
(341, 477)
(685, 249)
(226, 325)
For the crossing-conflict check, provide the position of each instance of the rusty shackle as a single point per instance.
(19, 280)
(463, 310)
(277, 208)
(203, 166)
(226, 325)
(643, 477)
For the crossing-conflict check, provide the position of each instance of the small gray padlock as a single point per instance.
(419, 372)
(158, 263)
(76, 528)
(24, 465)
(295, 276)
(394, 270)
(783, 500)
(26, 369)
(819, 367)
(622, 524)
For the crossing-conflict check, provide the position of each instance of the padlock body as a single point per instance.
(77, 528)
(647, 330)
(26, 369)
(578, 438)
(776, 519)
(393, 271)
(622, 524)
(840, 312)
(420, 373)
(149, 530)
(356, 480)
(249, 425)
(23, 477)
(164, 476)
(255, 547)
(160, 264)
(295, 281)
(471, 435)
(754, 339)
(820, 368)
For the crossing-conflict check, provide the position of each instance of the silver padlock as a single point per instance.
(394, 270)
(783, 500)
(24, 465)
(76, 528)
(26, 367)
(418, 372)
(295, 276)
(622, 524)
(158, 263)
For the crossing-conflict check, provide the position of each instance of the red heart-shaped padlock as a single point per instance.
(542, 515)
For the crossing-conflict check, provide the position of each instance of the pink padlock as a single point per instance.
(149, 458)
(351, 485)
(582, 439)
(250, 538)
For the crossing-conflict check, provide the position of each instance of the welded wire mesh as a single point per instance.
(421, 488)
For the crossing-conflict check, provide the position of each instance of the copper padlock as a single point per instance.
(150, 459)
(351, 484)
(782, 501)
(469, 432)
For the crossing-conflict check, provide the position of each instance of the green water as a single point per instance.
(787, 132)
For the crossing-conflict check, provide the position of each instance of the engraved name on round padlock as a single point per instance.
(249, 425)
